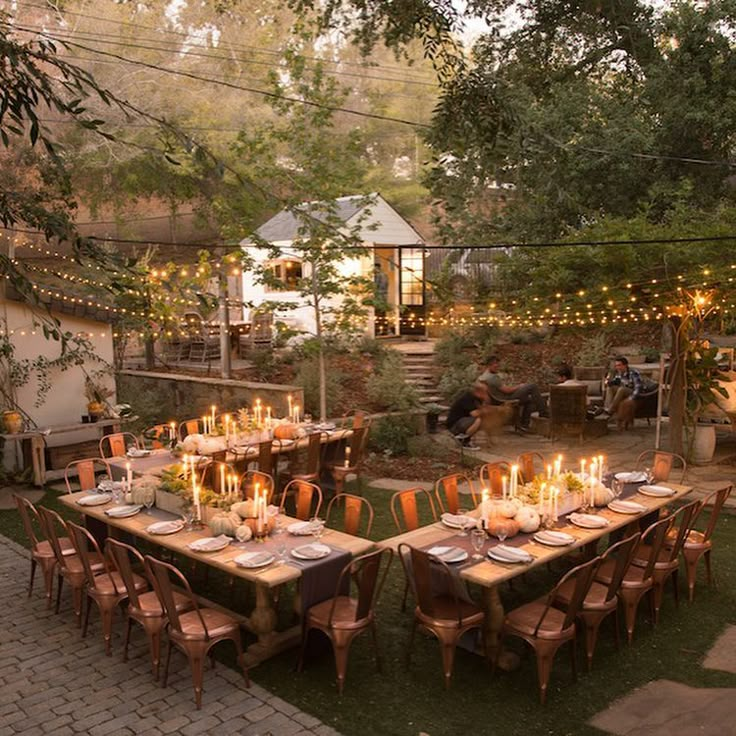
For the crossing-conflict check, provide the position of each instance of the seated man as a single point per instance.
(564, 376)
(463, 419)
(527, 394)
(624, 383)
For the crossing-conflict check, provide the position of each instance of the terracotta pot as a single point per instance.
(13, 421)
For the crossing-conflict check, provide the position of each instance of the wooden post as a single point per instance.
(222, 298)
(678, 389)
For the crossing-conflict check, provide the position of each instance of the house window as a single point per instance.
(412, 276)
(288, 271)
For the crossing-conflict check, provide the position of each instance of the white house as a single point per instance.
(395, 246)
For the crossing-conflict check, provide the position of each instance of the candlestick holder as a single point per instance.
(260, 536)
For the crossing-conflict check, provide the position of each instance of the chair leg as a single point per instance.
(85, 625)
(691, 571)
(59, 584)
(376, 649)
(154, 643)
(106, 613)
(574, 657)
(676, 588)
(708, 569)
(78, 598)
(411, 642)
(241, 658)
(48, 579)
(544, 656)
(126, 641)
(166, 664)
(34, 565)
(341, 645)
(196, 662)
(448, 660)
(630, 600)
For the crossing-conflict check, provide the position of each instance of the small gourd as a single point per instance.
(497, 525)
(507, 508)
(285, 431)
(244, 509)
(602, 496)
(528, 519)
(223, 523)
(190, 444)
(243, 533)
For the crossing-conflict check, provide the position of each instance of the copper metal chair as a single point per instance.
(143, 607)
(546, 628)
(42, 553)
(455, 491)
(86, 470)
(667, 560)
(700, 544)
(355, 419)
(491, 476)
(106, 588)
(662, 464)
(160, 435)
(305, 462)
(527, 461)
(306, 497)
(69, 567)
(252, 478)
(637, 581)
(408, 503)
(446, 615)
(116, 445)
(342, 617)
(344, 464)
(189, 426)
(601, 600)
(196, 631)
(352, 507)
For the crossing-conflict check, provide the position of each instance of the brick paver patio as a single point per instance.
(54, 682)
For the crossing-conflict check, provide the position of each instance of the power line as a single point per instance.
(231, 85)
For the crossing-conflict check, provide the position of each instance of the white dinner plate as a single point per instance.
(626, 507)
(588, 521)
(553, 538)
(165, 527)
(95, 499)
(509, 555)
(300, 528)
(656, 491)
(121, 512)
(314, 551)
(325, 426)
(134, 452)
(455, 521)
(451, 555)
(636, 476)
(210, 544)
(253, 560)
(284, 443)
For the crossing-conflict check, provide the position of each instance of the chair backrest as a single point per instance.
(622, 553)
(353, 507)
(159, 435)
(568, 407)
(116, 445)
(357, 443)
(82, 541)
(455, 491)
(407, 502)
(189, 426)
(28, 516)
(213, 475)
(305, 460)
(355, 419)
(307, 499)
(527, 463)
(683, 518)
(654, 536)
(51, 522)
(86, 470)
(261, 328)
(365, 573)
(719, 499)
(265, 456)
(423, 572)
(252, 478)
(160, 573)
(583, 576)
(491, 475)
(662, 464)
(119, 553)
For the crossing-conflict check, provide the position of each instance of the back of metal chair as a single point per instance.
(662, 464)
(455, 491)
(353, 507)
(82, 541)
(568, 407)
(254, 479)
(583, 576)
(307, 499)
(527, 461)
(160, 574)
(683, 519)
(28, 516)
(654, 536)
(491, 476)
(160, 435)
(622, 553)
(120, 554)
(306, 460)
(407, 502)
(189, 426)
(719, 499)
(116, 445)
(51, 522)
(86, 472)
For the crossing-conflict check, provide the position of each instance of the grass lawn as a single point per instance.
(406, 702)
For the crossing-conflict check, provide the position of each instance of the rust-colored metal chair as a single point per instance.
(306, 497)
(193, 632)
(355, 419)
(344, 463)
(407, 502)
(143, 607)
(106, 588)
(637, 581)
(546, 628)
(352, 507)
(342, 617)
(455, 491)
(116, 445)
(601, 600)
(447, 615)
(189, 426)
(527, 463)
(491, 476)
(252, 478)
(42, 553)
(86, 470)
(663, 465)
(667, 560)
(305, 462)
(700, 544)
(160, 435)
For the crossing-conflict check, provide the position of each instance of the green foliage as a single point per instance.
(457, 379)
(387, 387)
(593, 350)
(390, 435)
(451, 350)
(265, 364)
(308, 378)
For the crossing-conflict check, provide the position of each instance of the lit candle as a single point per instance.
(558, 466)
(222, 477)
(172, 428)
(212, 410)
(555, 511)
(204, 425)
(195, 497)
(236, 481)
(268, 413)
(291, 407)
(347, 457)
(582, 468)
(503, 486)
(549, 472)
(129, 475)
(542, 488)
(259, 516)
(185, 461)
(227, 426)
(600, 469)
(296, 413)
(484, 503)
(514, 480)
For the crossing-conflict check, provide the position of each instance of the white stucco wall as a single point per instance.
(65, 402)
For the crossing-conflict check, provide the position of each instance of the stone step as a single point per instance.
(419, 360)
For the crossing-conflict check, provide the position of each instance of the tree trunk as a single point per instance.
(222, 296)
(150, 356)
(320, 342)
(678, 388)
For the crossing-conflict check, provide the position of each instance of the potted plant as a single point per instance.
(97, 396)
(433, 416)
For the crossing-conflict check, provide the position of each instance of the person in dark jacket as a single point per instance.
(463, 419)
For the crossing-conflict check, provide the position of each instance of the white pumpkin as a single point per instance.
(211, 445)
(190, 444)
(507, 508)
(602, 496)
(243, 533)
(224, 523)
(244, 509)
(528, 519)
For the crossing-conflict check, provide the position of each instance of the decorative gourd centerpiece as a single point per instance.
(502, 526)
(225, 522)
(246, 510)
(285, 431)
(601, 496)
(528, 519)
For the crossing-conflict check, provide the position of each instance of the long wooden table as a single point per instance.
(489, 574)
(262, 620)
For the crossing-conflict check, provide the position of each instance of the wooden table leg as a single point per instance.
(262, 622)
(494, 621)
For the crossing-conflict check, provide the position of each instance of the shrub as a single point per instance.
(451, 350)
(593, 350)
(391, 435)
(387, 387)
(422, 445)
(265, 365)
(308, 378)
(455, 380)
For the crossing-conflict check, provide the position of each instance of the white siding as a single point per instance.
(392, 228)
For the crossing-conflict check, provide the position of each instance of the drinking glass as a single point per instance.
(478, 539)
(317, 528)
(307, 419)
(649, 475)
(501, 534)
(463, 514)
(189, 518)
(617, 486)
(281, 549)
